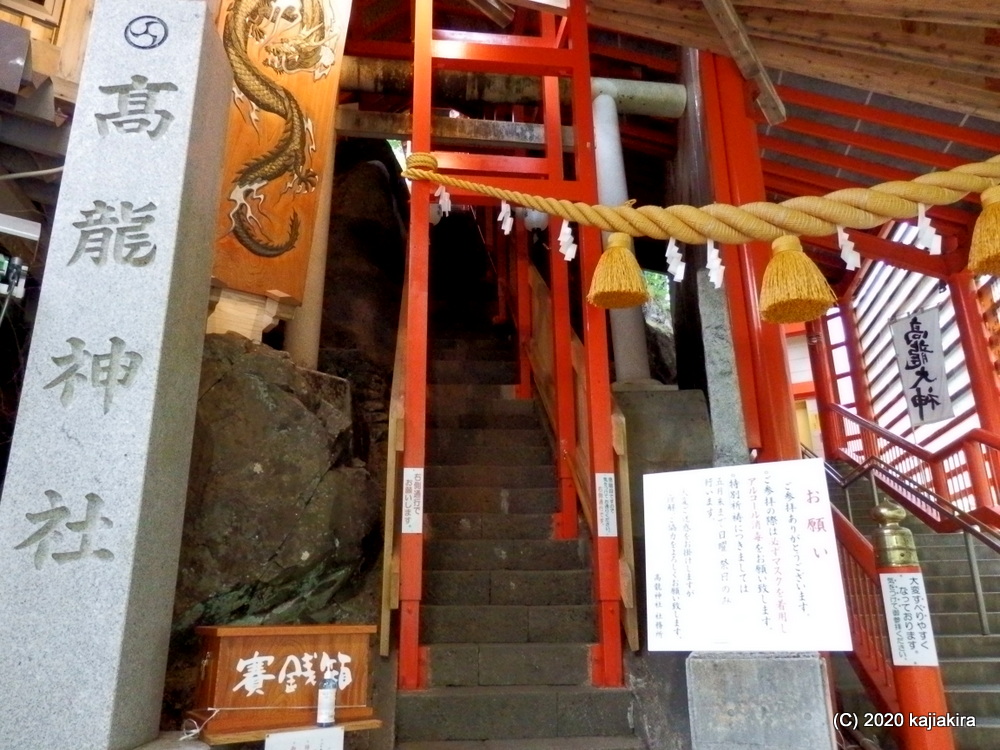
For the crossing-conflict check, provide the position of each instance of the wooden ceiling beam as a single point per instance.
(925, 84)
(917, 83)
(878, 38)
(737, 40)
(957, 12)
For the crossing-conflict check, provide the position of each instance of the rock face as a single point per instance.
(279, 512)
(282, 521)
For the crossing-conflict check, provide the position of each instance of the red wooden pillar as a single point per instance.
(522, 312)
(859, 378)
(821, 359)
(985, 392)
(731, 129)
(608, 653)
(415, 385)
(562, 331)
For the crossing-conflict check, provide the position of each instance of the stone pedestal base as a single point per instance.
(749, 701)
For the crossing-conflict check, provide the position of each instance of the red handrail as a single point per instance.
(963, 472)
(871, 658)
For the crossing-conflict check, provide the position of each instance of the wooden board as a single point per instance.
(255, 679)
(281, 133)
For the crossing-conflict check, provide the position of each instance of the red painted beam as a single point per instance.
(519, 60)
(879, 172)
(653, 62)
(873, 143)
(491, 40)
(893, 253)
(919, 125)
(453, 161)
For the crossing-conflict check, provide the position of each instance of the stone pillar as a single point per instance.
(628, 327)
(90, 521)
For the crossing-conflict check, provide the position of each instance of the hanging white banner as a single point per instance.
(920, 356)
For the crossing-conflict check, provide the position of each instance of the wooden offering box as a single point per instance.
(255, 679)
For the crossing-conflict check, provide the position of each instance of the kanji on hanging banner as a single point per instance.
(920, 355)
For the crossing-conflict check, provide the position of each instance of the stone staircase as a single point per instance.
(970, 661)
(507, 617)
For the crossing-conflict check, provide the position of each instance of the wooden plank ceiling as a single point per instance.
(942, 53)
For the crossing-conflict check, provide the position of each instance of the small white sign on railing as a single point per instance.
(413, 501)
(908, 617)
(607, 505)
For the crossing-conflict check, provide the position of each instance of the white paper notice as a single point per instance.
(413, 501)
(909, 619)
(607, 505)
(743, 558)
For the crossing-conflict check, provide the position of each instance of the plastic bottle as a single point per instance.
(327, 701)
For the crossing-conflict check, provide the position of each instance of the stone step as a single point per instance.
(485, 371)
(928, 554)
(975, 700)
(478, 349)
(459, 416)
(522, 587)
(959, 567)
(495, 476)
(960, 584)
(446, 392)
(970, 670)
(496, 454)
(504, 554)
(962, 646)
(467, 665)
(488, 526)
(444, 438)
(464, 400)
(962, 602)
(490, 500)
(984, 736)
(493, 623)
(963, 623)
(492, 713)
(546, 743)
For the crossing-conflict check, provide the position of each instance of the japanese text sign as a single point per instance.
(920, 355)
(743, 558)
(909, 619)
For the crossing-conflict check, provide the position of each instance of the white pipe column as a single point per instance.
(628, 327)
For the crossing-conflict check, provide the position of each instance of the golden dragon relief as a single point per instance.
(288, 36)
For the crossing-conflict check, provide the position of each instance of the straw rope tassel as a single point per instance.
(984, 252)
(618, 280)
(794, 289)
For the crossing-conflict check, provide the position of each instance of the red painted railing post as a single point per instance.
(608, 667)
(919, 688)
(562, 331)
(415, 388)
